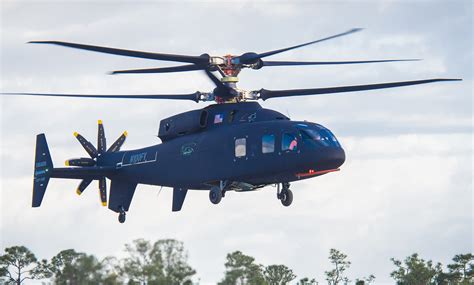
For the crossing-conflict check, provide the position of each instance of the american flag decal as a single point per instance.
(218, 118)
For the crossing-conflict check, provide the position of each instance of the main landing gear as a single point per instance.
(122, 215)
(285, 195)
(217, 193)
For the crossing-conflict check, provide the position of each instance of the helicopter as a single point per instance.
(232, 145)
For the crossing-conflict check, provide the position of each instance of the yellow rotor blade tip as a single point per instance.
(104, 204)
(76, 134)
(78, 192)
(100, 122)
(125, 133)
(66, 162)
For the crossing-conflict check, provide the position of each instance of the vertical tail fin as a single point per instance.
(43, 170)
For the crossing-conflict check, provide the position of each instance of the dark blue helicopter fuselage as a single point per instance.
(237, 143)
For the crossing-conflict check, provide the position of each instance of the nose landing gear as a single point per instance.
(285, 195)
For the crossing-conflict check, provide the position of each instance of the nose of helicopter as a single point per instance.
(332, 158)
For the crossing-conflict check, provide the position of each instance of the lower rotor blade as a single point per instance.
(267, 94)
(181, 68)
(101, 142)
(83, 185)
(87, 145)
(286, 63)
(103, 191)
(118, 143)
(193, 96)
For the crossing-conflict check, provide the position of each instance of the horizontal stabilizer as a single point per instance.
(121, 194)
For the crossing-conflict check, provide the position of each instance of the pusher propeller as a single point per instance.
(95, 159)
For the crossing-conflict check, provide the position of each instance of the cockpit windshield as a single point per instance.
(318, 134)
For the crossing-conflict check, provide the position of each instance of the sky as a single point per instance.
(406, 185)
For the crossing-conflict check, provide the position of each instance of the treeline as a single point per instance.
(166, 262)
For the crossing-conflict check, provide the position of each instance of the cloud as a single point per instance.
(406, 186)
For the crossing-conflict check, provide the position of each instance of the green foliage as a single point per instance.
(164, 262)
(278, 274)
(19, 264)
(307, 281)
(71, 267)
(462, 270)
(174, 261)
(341, 264)
(142, 264)
(366, 280)
(416, 271)
(241, 269)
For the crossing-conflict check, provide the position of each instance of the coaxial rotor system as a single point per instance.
(229, 67)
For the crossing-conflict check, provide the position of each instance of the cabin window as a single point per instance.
(240, 147)
(289, 142)
(268, 143)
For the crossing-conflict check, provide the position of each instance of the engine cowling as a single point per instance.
(183, 124)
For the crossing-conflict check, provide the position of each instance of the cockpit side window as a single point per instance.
(289, 142)
(321, 136)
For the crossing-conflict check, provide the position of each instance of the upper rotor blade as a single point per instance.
(188, 67)
(131, 53)
(251, 57)
(193, 96)
(267, 94)
(286, 63)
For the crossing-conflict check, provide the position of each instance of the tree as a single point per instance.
(307, 281)
(19, 264)
(462, 270)
(111, 271)
(341, 264)
(141, 265)
(278, 274)
(71, 267)
(415, 271)
(365, 280)
(174, 261)
(241, 269)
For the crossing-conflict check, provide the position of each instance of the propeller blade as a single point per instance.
(83, 161)
(101, 142)
(83, 185)
(267, 94)
(203, 59)
(103, 190)
(193, 96)
(248, 58)
(181, 68)
(286, 63)
(91, 150)
(118, 143)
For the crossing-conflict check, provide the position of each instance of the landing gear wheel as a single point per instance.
(286, 198)
(215, 195)
(121, 217)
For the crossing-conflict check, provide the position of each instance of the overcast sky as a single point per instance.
(406, 185)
